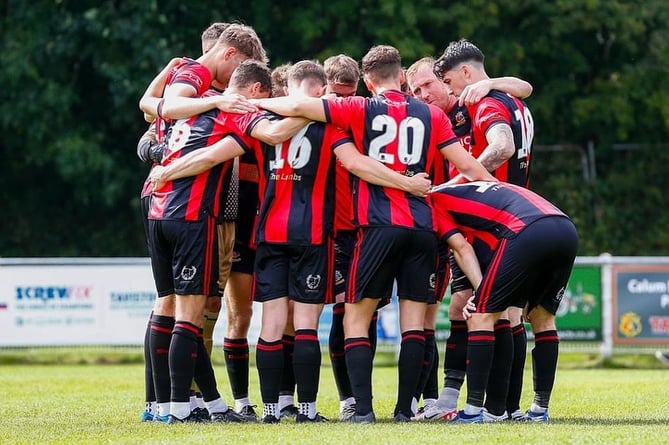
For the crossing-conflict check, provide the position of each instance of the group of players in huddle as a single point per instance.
(286, 188)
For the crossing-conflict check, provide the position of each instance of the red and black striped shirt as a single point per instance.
(489, 211)
(191, 198)
(498, 107)
(297, 185)
(403, 133)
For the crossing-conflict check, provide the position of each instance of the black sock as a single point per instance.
(500, 370)
(359, 366)
(236, 354)
(371, 333)
(480, 349)
(182, 357)
(428, 361)
(455, 356)
(204, 371)
(337, 358)
(269, 361)
(431, 389)
(409, 366)
(517, 368)
(288, 375)
(161, 336)
(149, 388)
(544, 364)
(307, 364)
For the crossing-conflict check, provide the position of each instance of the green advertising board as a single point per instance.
(579, 317)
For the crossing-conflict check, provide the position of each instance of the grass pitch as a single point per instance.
(65, 403)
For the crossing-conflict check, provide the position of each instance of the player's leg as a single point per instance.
(150, 404)
(359, 357)
(195, 277)
(239, 309)
(428, 359)
(500, 371)
(307, 359)
(552, 258)
(271, 289)
(162, 319)
(370, 279)
(499, 281)
(415, 274)
(344, 242)
(310, 288)
(519, 338)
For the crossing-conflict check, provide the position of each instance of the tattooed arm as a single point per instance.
(500, 147)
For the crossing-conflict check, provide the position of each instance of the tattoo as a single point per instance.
(500, 147)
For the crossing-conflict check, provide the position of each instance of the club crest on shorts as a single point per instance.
(559, 295)
(313, 281)
(433, 280)
(188, 272)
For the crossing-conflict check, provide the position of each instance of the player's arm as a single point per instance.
(466, 258)
(148, 149)
(154, 92)
(470, 169)
(275, 132)
(312, 108)
(473, 93)
(374, 172)
(196, 161)
(500, 147)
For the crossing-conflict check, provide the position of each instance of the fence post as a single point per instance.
(607, 306)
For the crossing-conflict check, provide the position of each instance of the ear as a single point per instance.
(368, 84)
(467, 72)
(229, 53)
(403, 77)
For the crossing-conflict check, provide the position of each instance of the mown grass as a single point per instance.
(70, 403)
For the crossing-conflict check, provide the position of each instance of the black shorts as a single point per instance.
(184, 256)
(244, 254)
(301, 273)
(385, 254)
(442, 273)
(533, 267)
(343, 245)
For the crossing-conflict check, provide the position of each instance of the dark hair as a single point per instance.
(382, 62)
(455, 54)
(252, 71)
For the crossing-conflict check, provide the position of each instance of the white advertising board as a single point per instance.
(100, 301)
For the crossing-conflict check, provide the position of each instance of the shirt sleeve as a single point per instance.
(491, 112)
(440, 122)
(195, 75)
(342, 111)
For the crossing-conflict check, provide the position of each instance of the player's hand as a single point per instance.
(474, 92)
(419, 184)
(469, 308)
(235, 103)
(156, 177)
